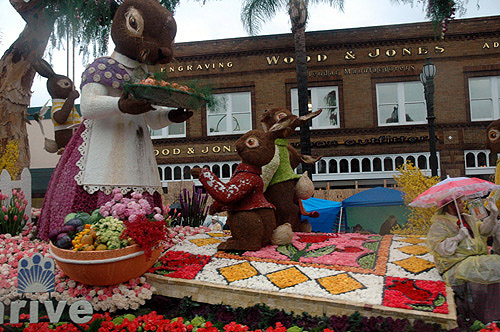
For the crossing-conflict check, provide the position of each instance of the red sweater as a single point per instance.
(243, 192)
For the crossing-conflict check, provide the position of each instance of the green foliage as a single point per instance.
(440, 12)
(12, 216)
(88, 21)
(254, 13)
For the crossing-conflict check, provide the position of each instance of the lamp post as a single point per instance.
(427, 79)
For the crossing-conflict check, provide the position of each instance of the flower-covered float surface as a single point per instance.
(390, 271)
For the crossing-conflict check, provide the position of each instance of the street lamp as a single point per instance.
(427, 79)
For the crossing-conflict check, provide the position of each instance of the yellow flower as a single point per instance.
(413, 182)
(9, 158)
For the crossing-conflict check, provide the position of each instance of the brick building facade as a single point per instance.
(367, 82)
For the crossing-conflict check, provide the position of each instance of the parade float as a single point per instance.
(320, 274)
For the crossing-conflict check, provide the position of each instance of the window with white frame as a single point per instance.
(232, 114)
(484, 93)
(326, 98)
(170, 131)
(401, 103)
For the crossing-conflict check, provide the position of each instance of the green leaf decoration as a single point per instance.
(373, 246)
(422, 307)
(367, 261)
(300, 253)
(439, 301)
(320, 251)
(289, 250)
(376, 238)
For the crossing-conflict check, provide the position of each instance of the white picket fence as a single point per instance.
(6, 186)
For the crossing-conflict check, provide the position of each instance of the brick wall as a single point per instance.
(469, 50)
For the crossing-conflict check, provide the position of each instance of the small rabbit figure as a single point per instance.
(112, 147)
(250, 216)
(64, 115)
(283, 188)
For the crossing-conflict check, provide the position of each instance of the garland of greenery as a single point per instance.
(198, 95)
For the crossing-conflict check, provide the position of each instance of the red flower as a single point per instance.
(179, 264)
(147, 233)
(314, 238)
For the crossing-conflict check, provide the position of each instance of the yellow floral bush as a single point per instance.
(9, 157)
(413, 182)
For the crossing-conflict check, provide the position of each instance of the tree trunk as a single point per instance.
(16, 79)
(298, 17)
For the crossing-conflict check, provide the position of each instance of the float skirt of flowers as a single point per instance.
(104, 267)
(387, 271)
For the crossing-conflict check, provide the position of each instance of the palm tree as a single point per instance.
(88, 21)
(256, 12)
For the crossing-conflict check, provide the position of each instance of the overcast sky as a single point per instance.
(221, 19)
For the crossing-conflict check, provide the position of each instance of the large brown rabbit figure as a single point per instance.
(284, 188)
(112, 147)
(64, 115)
(250, 216)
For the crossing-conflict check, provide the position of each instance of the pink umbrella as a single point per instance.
(452, 188)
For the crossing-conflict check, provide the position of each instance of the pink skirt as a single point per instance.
(64, 195)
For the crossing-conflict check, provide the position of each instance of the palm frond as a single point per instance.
(333, 3)
(256, 12)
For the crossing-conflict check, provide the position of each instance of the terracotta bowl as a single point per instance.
(104, 267)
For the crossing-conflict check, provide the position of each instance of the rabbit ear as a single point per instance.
(43, 68)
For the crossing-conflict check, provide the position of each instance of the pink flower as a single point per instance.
(158, 217)
(117, 197)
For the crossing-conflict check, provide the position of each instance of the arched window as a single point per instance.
(366, 165)
(168, 173)
(177, 173)
(411, 159)
(160, 173)
(377, 165)
(226, 171)
(422, 162)
(481, 159)
(344, 166)
(216, 170)
(187, 172)
(470, 160)
(234, 168)
(388, 166)
(332, 166)
(354, 165)
(321, 166)
(399, 161)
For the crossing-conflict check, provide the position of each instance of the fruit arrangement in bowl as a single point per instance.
(119, 241)
(74, 224)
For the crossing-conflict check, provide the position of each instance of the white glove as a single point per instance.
(449, 245)
(489, 222)
(463, 232)
(492, 206)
